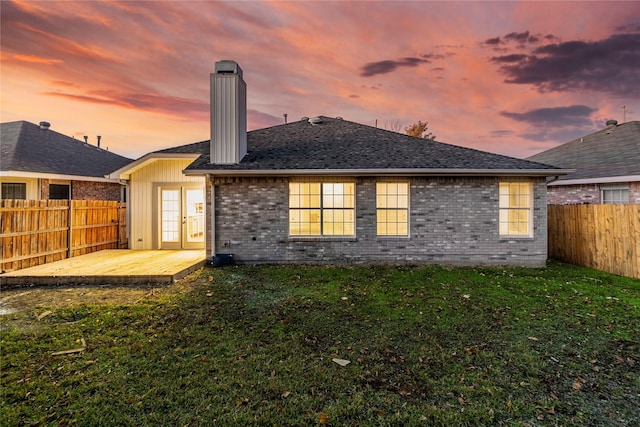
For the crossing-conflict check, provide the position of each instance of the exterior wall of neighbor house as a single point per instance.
(586, 194)
(32, 186)
(90, 190)
(452, 221)
(143, 203)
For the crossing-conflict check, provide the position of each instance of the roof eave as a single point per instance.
(381, 172)
(599, 180)
(126, 171)
(58, 176)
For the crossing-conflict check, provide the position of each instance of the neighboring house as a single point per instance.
(606, 163)
(327, 190)
(38, 163)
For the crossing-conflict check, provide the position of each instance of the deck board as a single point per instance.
(117, 266)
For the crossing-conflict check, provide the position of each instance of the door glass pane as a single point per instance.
(171, 215)
(195, 215)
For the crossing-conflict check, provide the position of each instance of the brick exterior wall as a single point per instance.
(452, 221)
(90, 190)
(586, 194)
(86, 190)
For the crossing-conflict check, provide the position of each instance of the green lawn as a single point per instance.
(254, 346)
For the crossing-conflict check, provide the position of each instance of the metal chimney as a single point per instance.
(228, 114)
(45, 125)
(99, 138)
(86, 139)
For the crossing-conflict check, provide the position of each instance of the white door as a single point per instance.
(181, 218)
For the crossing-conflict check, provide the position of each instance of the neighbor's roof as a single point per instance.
(341, 146)
(24, 147)
(610, 152)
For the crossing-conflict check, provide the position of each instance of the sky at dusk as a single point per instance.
(513, 78)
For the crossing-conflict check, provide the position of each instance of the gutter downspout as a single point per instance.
(212, 206)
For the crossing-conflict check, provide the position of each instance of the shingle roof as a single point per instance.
(338, 144)
(25, 147)
(610, 152)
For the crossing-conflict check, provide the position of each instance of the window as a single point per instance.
(14, 190)
(392, 208)
(515, 209)
(615, 194)
(321, 209)
(58, 191)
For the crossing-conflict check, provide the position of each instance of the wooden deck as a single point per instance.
(110, 267)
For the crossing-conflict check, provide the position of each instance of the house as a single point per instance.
(328, 190)
(607, 165)
(38, 163)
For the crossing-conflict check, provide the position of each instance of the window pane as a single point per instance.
(515, 209)
(321, 208)
(392, 202)
(14, 190)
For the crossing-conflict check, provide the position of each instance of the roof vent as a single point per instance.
(612, 123)
(339, 118)
(45, 125)
(315, 120)
(304, 118)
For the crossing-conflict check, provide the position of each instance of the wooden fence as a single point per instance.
(34, 232)
(604, 237)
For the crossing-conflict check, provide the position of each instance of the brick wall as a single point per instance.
(86, 190)
(452, 221)
(585, 194)
(90, 190)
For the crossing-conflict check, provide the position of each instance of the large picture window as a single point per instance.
(516, 209)
(392, 208)
(321, 209)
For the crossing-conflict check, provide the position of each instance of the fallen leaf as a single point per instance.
(323, 419)
(576, 386)
(533, 339)
(285, 394)
(44, 314)
(341, 362)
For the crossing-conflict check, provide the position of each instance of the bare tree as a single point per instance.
(420, 129)
(393, 125)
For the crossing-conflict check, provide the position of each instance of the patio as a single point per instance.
(114, 266)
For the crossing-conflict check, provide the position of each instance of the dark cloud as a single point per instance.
(574, 115)
(610, 65)
(493, 42)
(522, 38)
(387, 66)
(515, 57)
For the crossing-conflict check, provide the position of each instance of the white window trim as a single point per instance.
(395, 236)
(321, 236)
(530, 234)
(614, 187)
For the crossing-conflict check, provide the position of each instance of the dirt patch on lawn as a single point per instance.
(29, 299)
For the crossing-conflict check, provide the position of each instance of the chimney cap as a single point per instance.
(612, 122)
(228, 66)
(45, 125)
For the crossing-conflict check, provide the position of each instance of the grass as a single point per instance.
(254, 346)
